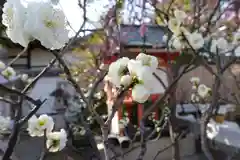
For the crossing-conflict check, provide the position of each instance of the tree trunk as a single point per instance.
(203, 128)
(174, 68)
(174, 140)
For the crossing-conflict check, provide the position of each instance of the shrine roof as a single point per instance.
(130, 35)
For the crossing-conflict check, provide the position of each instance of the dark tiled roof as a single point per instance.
(130, 35)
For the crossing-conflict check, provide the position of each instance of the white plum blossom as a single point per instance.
(47, 24)
(14, 17)
(116, 69)
(126, 80)
(146, 78)
(195, 98)
(196, 40)
(203, 91)
(139, 72)
(56, 141)
(9, 73)
(176, 43)
(148, 60)
(2, 65)
(174, 26)
(37, 126)
(133, 66)
(195, 80)
(212, 129)
(140, 94)
(24, 77)
(39, 20)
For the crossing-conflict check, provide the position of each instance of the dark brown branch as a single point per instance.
(162, 98)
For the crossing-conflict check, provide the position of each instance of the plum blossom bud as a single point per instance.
(24, 77)
(9, 73)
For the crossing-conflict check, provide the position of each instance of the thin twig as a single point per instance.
(18, 56)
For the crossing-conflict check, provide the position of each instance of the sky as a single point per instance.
(94, 10)
(74, 14)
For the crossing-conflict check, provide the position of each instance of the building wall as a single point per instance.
(39, 57)
(230, 82)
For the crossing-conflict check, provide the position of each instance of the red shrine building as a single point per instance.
(131, 45)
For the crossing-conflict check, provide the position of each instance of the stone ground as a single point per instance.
(30, 148)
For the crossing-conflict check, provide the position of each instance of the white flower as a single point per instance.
(47, 24)
(56, 141)
(176, 43)
(145, 77)
(24, 77)
(140, 94)
(212, 129)
(180, 15)
(148, 60)
(9, 73)
(221, 44)
(195, 80)
(14, 17)
(133, 66)
(116, 70)
(174, 26)
(98, 95)
(196, 40)
(203, 90)
(37, 126)
(126, 80)
(29, 80)
(195, 98)
(194, 87)
(2, 65)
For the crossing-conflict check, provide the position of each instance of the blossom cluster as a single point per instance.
(201, 91)
(35, 20)
(136, 74)
(43, 126)
(9, 73)
(185, 37)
